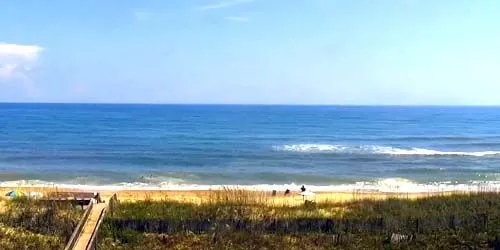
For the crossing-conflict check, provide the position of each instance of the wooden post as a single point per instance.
(453, 222)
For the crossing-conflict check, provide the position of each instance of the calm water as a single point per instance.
(165, 145)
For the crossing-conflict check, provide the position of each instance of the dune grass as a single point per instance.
(32, 224)
(235, 219)
(18, 238)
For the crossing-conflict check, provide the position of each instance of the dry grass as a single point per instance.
(17, 238)
(446, 222)
(31, 224)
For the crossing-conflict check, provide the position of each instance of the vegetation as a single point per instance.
(32, 224)
(242, 222)
(18, 238)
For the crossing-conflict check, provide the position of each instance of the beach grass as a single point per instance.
(34, 224)
(239, 219)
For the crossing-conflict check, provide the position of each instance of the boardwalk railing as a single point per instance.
(113, 203)
(92, 244)
(79, 227)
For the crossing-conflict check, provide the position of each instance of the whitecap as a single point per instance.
(374, 149)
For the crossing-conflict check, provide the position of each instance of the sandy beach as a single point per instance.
(206, 195)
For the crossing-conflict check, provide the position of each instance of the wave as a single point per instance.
(441, 138)
(370, 149)
(311, 148)
(387, 185)
(425, 170)
(430, 152)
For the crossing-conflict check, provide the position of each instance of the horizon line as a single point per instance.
(256, 104)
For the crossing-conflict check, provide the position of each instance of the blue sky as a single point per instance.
(251, 51)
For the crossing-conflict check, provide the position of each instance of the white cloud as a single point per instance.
(224, 4)
(17, 60)
(240, 19)
(28, 52)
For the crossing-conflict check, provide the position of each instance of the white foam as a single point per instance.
(388, 185)
(385, 150)
(423, 151)
(310, 148)
(157, 180)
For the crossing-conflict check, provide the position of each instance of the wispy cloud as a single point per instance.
(225, 4)
(240, 19)
(7, 70)
(17, 60)
(141, 15)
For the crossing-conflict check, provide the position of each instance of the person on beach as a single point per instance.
(287, 192)
(303, 189)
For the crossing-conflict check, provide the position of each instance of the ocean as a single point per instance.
(388, 148)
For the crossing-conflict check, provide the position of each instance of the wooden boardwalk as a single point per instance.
(90, 227)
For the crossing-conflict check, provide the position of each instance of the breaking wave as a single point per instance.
(388, 185)
(384, 150)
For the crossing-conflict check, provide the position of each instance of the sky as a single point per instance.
(361, 52)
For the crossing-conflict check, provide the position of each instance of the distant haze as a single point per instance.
(368, 52)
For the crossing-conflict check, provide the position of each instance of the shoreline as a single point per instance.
(389, 185)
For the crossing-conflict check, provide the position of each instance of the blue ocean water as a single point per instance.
(165, 145)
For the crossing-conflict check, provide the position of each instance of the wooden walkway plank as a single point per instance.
(90, 226)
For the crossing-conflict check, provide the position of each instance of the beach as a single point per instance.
(201, 196)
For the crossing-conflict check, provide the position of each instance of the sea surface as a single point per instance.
(201, 146)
